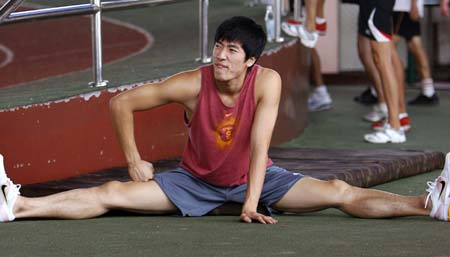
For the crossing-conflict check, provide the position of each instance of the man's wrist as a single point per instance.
(133, 160)
(249, 207)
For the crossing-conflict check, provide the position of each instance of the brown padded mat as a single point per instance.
(362, 168)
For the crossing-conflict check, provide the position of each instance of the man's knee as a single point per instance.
(379, 59)
(342, 190)
(108, 190)
(339, 185)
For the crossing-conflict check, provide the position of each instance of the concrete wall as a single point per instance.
(74, 136)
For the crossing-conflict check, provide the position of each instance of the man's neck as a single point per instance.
(231, 87)
(229, 90)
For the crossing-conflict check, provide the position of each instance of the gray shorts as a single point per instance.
(194, 197)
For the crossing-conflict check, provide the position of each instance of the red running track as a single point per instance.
(40, 49)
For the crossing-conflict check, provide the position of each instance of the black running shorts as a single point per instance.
(375, 19)
(404, 26)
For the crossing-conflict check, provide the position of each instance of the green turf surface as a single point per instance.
(326, 233)
(343, 127)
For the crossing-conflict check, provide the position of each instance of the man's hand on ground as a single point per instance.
(248, 217)
(141, 171)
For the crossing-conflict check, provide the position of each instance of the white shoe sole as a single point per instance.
(303, 35)
(381, 138)
(319, 108)
(289, 29)
(4, 209)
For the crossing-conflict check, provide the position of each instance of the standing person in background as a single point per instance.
(375, 23)
(407, 25)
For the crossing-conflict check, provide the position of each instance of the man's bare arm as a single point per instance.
(268, 93)
(181, 88)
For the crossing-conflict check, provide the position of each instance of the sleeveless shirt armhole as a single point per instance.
(188, 122)
(253, 87)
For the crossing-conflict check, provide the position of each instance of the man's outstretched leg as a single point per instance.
(310, 194)
(141, 197)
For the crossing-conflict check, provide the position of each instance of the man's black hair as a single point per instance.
(244, 30)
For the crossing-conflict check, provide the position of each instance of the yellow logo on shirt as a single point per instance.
(224, 131)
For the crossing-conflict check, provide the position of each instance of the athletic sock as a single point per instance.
(428, 87)
(402, 115)
(383, 108)
(320, 20)
(373, 91)
(322, 89)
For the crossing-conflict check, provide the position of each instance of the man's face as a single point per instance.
(229, 60)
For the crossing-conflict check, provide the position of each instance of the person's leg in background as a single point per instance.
(379, 30)
(307, 31)
(321, 22)
(408, 27)
(382, 52)
(400, 73)
(428, 95)
(365, 55)
(319, 98)
(311, 13)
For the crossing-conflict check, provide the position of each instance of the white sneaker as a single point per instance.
(388, 135)
(290, 28)
(308, 39)
(439, 192)
(8, 195)
(376, 115)
(318, 101)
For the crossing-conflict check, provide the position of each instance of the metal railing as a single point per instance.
(96, 7)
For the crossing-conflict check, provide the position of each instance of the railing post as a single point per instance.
(8, 8)
(277, 17)
(297, 10)
(203, 32)
(96, 30)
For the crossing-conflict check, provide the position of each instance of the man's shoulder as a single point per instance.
(266, 73)
(267, 83)
(182, 87)
(188, 75)
(267, 76)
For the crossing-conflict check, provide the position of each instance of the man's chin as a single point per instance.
(220, 77)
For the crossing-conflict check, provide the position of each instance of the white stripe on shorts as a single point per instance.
(377, 34)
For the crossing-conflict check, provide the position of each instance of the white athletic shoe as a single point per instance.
(388, 135)
(308, 39)
(8, 195)
(439, 192)
(319, 101)
(290, 28)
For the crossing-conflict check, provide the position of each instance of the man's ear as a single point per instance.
(250, 61)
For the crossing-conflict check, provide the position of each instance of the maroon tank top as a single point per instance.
(218, 147)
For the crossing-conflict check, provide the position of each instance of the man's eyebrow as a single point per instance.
(234, 45)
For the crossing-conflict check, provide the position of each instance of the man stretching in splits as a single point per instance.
(230, 112)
